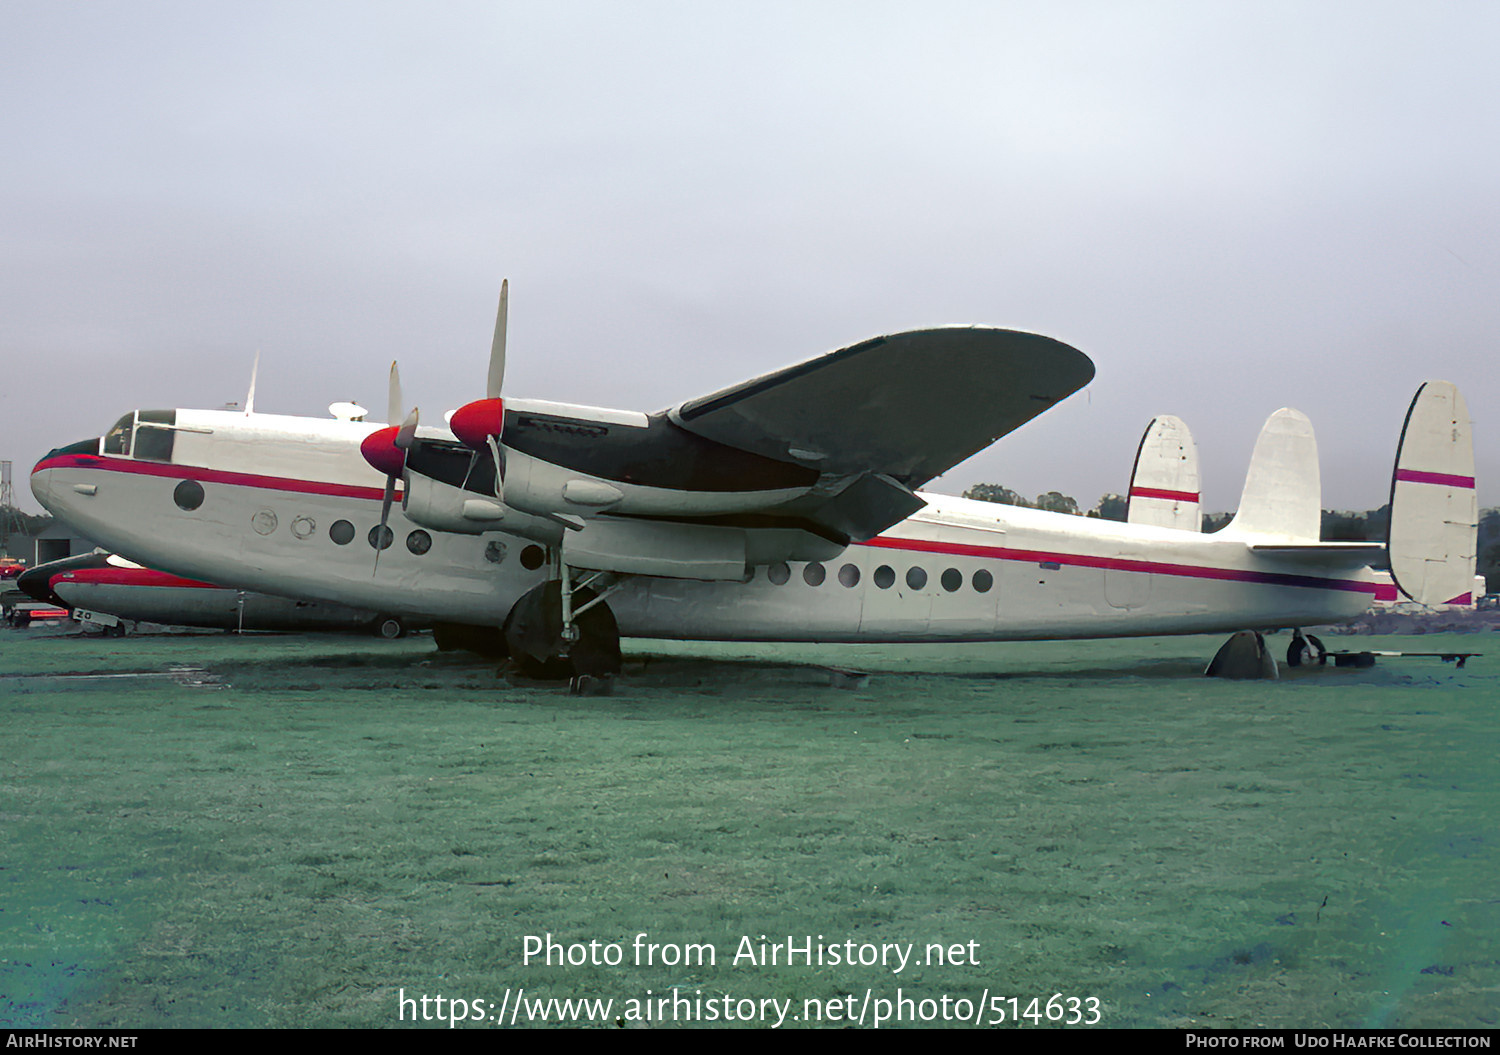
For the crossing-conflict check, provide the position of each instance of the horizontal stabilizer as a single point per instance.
(1283, 494)
(1164, 484)
(1434, 508)
(1326, 554)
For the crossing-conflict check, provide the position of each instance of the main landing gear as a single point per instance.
(563, 629)
(1245, 656)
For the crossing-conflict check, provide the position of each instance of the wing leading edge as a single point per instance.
(908, 406)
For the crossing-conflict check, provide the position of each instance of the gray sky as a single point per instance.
(1230, 207)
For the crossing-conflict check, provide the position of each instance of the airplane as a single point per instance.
(104, 588)
(108, 592)
(784, 508)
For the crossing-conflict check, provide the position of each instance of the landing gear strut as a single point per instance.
(563, 629)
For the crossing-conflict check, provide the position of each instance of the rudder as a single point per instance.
(1164, 489)
(1434, 507)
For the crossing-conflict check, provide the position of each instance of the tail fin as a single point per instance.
(1164, 483)
(1283, 494)
(1434, 508)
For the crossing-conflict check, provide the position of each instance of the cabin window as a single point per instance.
(849, 575)
(953, 579)
(494, 551)
(419, 542)
(779, 573)
(983, 580)
(885, 576)
(380, 537)
(916, 578)
(342, 532)
(533, 557)
(814, 574)
(188, 495)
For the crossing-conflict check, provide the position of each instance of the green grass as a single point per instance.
(340, 820)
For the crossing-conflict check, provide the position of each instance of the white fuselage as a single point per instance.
(288, 506)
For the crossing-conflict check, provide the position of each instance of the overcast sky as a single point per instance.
(1230, 207)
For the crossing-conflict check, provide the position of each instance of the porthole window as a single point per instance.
(342, 532)
(952, 580)
(494, 551)
(983, 580)
(779, 573)
(885, 576)
(419, 542)
(916, 578)
(533, 557)
(381, 537)
(264, 522)
(304, 526)
(188, 494)
(849, 575)
(814, 574)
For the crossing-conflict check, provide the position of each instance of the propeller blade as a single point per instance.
(393, 404)
(497, 346)
(406, 436)
(499, 475)
(385, 515)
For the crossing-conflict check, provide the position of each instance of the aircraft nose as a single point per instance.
(41, 477)
(36, 583)
(41, 483)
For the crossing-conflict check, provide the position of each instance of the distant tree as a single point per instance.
(1110, 507)
(1342, 526)
(995, 493)
(16, 521)
(1056, 502)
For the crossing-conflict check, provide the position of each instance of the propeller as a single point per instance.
(478, 425)
(386, 449)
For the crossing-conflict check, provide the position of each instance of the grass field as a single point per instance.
(299, 831)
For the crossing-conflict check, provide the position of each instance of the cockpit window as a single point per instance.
(153, 443)
(117, 439)
(147, 434)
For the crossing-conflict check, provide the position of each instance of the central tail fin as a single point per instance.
(1283, 497)
(1164, 483)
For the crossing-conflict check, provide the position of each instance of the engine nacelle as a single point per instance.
(443, 507)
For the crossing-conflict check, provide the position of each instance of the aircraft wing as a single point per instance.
(908, 406)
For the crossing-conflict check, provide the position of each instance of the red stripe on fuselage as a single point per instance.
(130, 577)
(1082, 560)
(1087, 560)
(217, 476)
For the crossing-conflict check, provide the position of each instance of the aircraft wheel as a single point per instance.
(1306, 649)
(533, 633)
(389, 628)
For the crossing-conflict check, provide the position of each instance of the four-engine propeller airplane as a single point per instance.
(784, 508)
